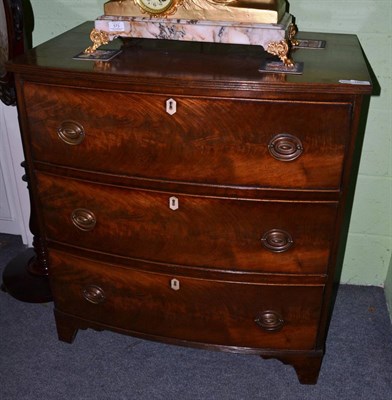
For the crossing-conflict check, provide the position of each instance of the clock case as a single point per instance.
(177, 20)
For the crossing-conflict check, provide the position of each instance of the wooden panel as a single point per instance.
(213, 152)
(213, 232)
(210, 141)
(199, 310)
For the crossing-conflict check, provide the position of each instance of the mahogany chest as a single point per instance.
(183, 196)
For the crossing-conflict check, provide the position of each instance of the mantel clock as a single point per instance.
(263, 23)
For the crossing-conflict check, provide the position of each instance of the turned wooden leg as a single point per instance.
(26, 276)
(306, 366)
(21, 284)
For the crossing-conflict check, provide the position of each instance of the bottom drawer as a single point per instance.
(217, 312)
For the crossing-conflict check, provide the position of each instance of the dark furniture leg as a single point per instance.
(26, 276)
(307, 366)
(66, 326)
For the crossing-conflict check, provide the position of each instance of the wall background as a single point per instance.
(368, 252)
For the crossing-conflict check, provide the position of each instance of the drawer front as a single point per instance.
(189, 230)
(196, 310)
(214, 141)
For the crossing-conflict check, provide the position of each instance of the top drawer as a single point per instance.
(190, 139)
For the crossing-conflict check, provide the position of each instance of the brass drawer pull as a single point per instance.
(71, 132)
(270, 321)
(285, 147)
(94, 294)
(83, 219)
(277, 240)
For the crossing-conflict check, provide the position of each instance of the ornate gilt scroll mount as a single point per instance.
(98, 38)
(292, 31)
(282, 49)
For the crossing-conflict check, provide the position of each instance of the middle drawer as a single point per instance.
(234, 234)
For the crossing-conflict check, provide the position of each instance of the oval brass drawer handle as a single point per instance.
(94, 294)
(71, 132)
(277, 240)
(285, 147)
(83, 219)
(270, 321)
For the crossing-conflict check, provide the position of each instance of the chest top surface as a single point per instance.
(213, 66)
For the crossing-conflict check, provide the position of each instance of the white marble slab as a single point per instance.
(194, 30)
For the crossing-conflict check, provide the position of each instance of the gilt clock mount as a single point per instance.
(264, 23)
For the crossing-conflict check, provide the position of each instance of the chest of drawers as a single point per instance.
(184, 196)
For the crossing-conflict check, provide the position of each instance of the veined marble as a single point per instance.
(194, 30)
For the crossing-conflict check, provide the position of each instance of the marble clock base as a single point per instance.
(274, 38)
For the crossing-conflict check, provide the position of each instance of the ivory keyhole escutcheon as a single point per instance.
(171, 106)
(173, 203)
(175, 284)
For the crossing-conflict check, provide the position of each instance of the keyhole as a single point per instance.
(173, 203)
(175, 284)
(171, 106)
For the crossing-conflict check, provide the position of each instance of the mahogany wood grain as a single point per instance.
(201, 274)
(215, 232)
(228, 148)
(154, 66)
(201, 310)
